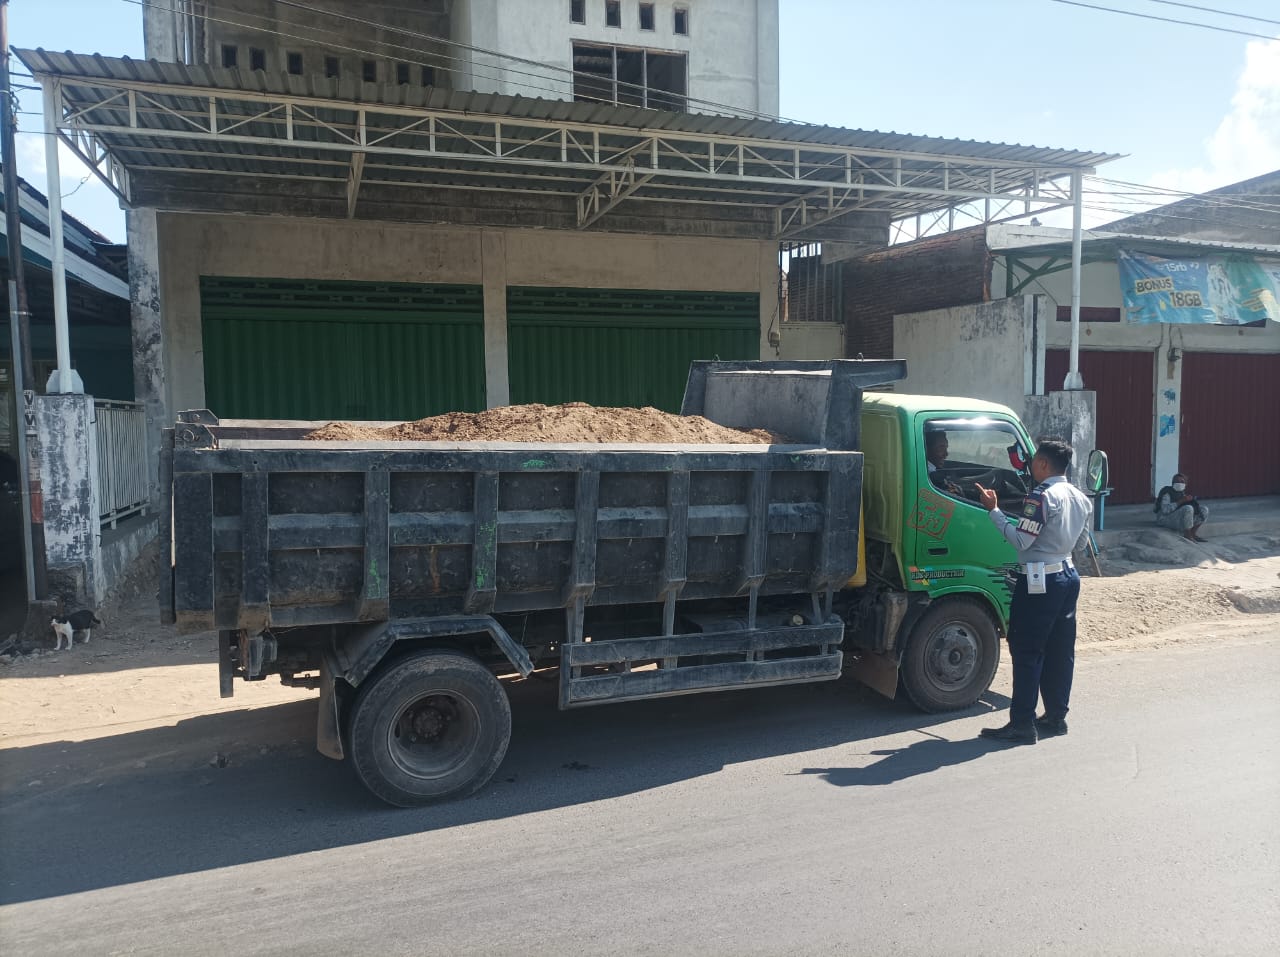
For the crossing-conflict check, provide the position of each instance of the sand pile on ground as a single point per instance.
(571, 422)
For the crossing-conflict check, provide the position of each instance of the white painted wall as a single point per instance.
(991, 351)
(192, 246)
(732, 46)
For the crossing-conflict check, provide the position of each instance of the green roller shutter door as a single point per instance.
(618, 347)
(291, 349)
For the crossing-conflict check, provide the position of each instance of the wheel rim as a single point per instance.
(434, 734)
(951, 657)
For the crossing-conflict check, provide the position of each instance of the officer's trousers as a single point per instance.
(1042, 644)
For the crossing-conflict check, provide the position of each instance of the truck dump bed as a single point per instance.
(270, 530)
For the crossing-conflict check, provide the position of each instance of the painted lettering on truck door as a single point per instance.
(956, 546)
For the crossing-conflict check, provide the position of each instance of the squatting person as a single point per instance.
(1179, 510)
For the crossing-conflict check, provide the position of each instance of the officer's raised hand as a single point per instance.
(987, 497)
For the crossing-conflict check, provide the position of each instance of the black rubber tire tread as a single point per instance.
(383, 696)
(923, 694)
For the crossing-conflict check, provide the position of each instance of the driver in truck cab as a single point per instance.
(936, 449)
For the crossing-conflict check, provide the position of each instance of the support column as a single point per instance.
(1035, 311)
(770, 308)
(1069, 416)
(1168, 417)
(150, 378)
(1074, 379)
(69, 478)
(493, 271)
(160, 30)
(63, 380)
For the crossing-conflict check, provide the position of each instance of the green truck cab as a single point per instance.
(934, 603)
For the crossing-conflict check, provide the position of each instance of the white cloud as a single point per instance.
(33, 168)
(1247, 141)
(88, 200)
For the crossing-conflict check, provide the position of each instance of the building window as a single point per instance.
(428, 76)
(646, 16)
(293, 63)
(369, 70)
(613, 13)
(257, 59)
(682, 22)
(402, 74)
(332, 68)
(628, 77)
(1090, 314)
(577, 11)
(230, 54)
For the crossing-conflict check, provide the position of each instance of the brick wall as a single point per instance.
(953, 269)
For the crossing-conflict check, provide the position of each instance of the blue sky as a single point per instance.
(1193, 109)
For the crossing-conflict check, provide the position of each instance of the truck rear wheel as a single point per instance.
(432, 726)
(951, 656)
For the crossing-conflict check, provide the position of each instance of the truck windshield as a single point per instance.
(975, 452)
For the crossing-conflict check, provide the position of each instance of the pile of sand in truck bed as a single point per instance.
(571, 422)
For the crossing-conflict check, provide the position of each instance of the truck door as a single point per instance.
(956, 546)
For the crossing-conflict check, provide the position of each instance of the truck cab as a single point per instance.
(940, 570)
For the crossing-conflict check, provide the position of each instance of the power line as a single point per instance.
(1152, 16)
(1260, 202)
(1140, 204)
(1224, 13)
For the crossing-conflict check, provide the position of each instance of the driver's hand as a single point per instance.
(987, 497)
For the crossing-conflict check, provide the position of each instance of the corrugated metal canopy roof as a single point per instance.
(150, 118)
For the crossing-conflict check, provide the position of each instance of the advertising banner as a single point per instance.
(1227, 290)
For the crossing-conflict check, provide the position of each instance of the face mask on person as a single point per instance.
(1179, 486)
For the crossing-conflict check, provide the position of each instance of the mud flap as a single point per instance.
(877, 670)
(329, 718)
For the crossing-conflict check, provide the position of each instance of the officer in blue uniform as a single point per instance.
(1042, 619)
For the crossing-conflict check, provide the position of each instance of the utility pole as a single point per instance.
(20, 337)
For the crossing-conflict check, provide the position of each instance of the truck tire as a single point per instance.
(431, 726)
(950, 656)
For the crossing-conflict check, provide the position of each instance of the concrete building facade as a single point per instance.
(191, 246)
(1191, 398)
(700, 55)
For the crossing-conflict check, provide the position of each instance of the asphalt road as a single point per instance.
(814, 820)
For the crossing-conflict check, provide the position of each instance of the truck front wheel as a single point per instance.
(431, 726)
(951, 656)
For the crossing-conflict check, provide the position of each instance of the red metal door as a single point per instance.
(1125, 383)
(1230, 424)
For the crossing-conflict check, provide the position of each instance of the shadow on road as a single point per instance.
(237, 787)
(898, 764)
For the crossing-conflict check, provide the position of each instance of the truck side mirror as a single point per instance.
(1098, 471)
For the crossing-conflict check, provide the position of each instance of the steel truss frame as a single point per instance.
(123, 129)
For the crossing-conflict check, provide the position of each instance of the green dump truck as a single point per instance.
(408, 581)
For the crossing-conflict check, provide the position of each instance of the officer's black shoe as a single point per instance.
(1047, 727)
(1011, 733)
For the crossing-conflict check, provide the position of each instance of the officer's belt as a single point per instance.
(1050, 567)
